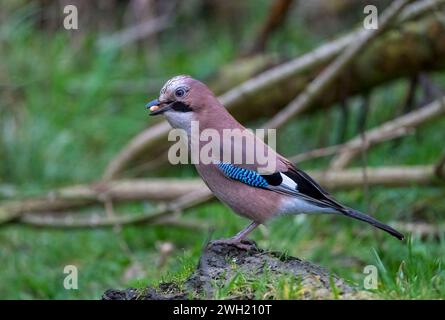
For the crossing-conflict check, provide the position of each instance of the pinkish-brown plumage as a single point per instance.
(284, 188)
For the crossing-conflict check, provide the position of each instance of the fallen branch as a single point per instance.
(350, 145)
(97, 193)
(71, 222)
(399, 176)
(266, 93)
(161, 215)
(392, 129)
(317, 87)
(192, 192)
(421, 229)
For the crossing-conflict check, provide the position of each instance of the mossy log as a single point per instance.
(221, 265)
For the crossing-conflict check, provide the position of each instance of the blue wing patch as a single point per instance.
(249, 177)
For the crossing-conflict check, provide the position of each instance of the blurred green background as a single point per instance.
(70, 101)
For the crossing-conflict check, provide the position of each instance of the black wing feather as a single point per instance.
(312, 189)
(309, 187)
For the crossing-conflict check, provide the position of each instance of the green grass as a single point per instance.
(33, 260)
(63, 115)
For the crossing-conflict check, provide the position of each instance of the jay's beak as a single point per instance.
(155, 107)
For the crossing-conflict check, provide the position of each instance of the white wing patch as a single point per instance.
(288, 182)
(287, 186)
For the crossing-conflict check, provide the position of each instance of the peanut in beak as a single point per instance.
(154, 108)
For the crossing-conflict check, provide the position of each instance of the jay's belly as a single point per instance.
(253, 203)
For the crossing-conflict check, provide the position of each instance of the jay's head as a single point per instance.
(183, 99)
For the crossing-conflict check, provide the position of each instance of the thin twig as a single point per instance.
(410, 97)
(440, 168)
(362, 126)
(344, 119)
(394, 128)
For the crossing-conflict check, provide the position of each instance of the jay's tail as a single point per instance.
(364, 217)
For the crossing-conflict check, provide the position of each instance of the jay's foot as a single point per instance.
(239, 240)
(235, 242)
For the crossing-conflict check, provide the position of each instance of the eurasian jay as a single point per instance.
(243, 185)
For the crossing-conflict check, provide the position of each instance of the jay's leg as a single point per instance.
(243, 233)
(236, 240)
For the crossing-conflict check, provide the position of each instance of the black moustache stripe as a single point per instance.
(181, 107)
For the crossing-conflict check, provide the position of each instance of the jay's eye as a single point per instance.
(180, 92)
